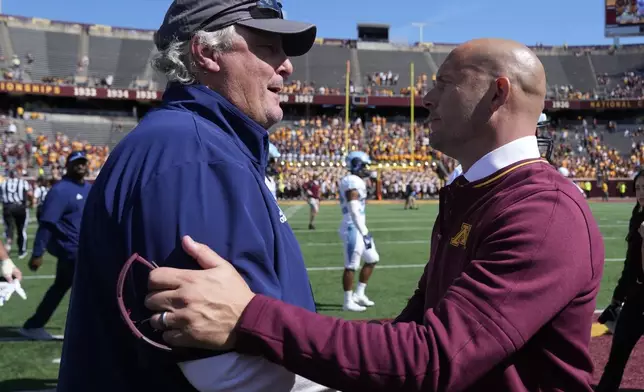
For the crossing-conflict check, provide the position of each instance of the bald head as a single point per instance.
(504, 58)
(488, 92)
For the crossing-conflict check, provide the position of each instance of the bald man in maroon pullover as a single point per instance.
(506, 300)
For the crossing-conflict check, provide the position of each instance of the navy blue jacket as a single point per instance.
(195, 166)
(60, 220)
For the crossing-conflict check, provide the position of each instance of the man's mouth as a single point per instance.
(275, 89)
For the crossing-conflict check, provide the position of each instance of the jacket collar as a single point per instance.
(247, 134)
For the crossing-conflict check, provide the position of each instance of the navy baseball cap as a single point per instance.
(186, 17)
(76, 155)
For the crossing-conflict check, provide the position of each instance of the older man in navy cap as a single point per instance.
(57, 233)
(195, 166)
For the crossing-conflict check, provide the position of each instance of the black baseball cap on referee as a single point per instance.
(186, 17)
(76, 155)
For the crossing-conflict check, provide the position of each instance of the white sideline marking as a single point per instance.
(312, 269)
(37, 277)
(377, 229)
(422, 219)
(42, 390)
(55, 360)
(390, 229)
(407, 242)
(20, 338)
(292, 210)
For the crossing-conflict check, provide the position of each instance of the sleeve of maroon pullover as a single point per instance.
(532, 260)
(416, 304)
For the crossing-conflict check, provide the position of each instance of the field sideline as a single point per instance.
(402, 239)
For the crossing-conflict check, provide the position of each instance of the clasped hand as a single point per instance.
(202, 306)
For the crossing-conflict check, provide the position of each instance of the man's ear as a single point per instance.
(204, 57)
(501, 92)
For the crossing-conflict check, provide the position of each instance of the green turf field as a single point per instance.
(402, 239)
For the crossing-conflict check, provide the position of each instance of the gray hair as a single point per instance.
(176, 62)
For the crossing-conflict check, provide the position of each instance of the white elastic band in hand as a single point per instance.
(19, 290)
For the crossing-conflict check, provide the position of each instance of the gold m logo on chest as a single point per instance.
(460, 239)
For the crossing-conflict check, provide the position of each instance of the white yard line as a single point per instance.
(42, 390)
(292, 210)
(376, 229)
(338, 243)
(380, 266)
(428, 227)
(20, 338)
(375, 220)
(313, 269)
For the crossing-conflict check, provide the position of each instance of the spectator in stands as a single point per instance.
(195, 166)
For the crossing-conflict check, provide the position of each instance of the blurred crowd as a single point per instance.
(581, 152)
(317, 145)
(630, 85)
(322, 139)
(391, 182)
(376, 86)
(34, 155)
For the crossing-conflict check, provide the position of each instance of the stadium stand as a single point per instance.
(34, 42)
(62, 52)
(103, 56)
(323, 66)
(393, 63)
(578, 70)
(124, 59)
(108, 67)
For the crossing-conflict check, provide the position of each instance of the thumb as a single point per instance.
(206, 257)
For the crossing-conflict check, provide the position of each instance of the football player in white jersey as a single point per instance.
(358, 242)
(271, 172)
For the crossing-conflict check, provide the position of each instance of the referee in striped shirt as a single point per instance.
(15, 193)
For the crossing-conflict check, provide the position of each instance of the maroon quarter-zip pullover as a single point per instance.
(505, 303)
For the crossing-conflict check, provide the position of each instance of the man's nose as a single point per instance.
(428, 99)
(285, 69)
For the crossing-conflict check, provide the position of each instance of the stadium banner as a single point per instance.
(18, 88)
(80, 92)
(618, 104)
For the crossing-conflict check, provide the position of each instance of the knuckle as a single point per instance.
(188, 277)
(184, 297)
(154, 275)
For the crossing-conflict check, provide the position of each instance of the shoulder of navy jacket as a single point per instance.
(250, 136)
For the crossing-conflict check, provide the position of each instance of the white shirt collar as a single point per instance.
(504, 156)
(458, 170)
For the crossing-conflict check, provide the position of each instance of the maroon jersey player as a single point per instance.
(312, 190)
(507, 297)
